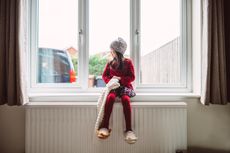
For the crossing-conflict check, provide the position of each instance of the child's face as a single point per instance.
(113, 53)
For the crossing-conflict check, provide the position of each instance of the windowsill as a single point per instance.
(155, 104)
(91, 98)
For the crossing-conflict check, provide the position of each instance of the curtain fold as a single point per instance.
(12, 54)
(227, 42)
(214, 75)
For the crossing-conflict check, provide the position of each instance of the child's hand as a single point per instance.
(116, 77)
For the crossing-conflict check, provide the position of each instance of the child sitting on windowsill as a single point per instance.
(122, 69)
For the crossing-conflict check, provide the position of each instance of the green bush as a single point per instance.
(96, 65)
(75, 64)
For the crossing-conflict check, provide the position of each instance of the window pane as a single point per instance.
(160, 42)
(108, 20)
(57, 41)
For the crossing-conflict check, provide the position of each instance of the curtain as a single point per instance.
(227, 42)
(214, 74)
(12, 53)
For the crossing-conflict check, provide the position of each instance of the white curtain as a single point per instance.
(23, 49)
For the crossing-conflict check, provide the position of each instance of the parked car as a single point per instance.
(100, 82)
(55, 66)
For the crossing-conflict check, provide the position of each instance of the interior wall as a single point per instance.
(12, 129)
(208, 127)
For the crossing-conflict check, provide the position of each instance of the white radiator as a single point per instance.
(160, 127)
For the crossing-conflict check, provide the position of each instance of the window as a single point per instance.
(53, 45)
(57, 41)
(160, 42)
(105, 25)
(70, 43)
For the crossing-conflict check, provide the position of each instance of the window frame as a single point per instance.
(185, 49)
(83, 43)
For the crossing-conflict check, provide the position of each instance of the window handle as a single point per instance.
(137, 35)
(80, 32)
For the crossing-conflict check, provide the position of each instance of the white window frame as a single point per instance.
(35, 87)
(82, 92)
(185, 49)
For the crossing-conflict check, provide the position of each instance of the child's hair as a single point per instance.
(117, 63)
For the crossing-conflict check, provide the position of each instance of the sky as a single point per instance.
(108, 19)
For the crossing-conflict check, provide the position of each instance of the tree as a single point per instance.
(75, 64)
(96, 65)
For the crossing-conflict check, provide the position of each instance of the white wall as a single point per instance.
(208, 127)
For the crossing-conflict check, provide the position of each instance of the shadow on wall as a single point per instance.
(204, 150)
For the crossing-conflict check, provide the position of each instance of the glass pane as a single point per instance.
(57, 41)
(108, 20)
(160, 42)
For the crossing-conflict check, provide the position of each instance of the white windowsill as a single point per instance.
(155, 104)
(91, 98)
